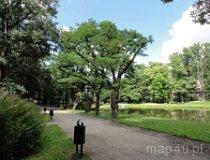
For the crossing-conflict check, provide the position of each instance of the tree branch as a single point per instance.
(74, 75)
(85, 58)
(21, 19)
(123, 70)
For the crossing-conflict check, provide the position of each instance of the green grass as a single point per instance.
(46, 118)
(56, 145)
(193, 130)
(187, 105)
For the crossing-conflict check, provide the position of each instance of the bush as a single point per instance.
(12, 88)
(21, 125)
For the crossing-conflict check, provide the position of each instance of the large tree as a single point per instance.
(81, 58)
(135, 85)
(207, 67)
(119, 48)
(190, 70)
(66, 75)
(27, 35)
(193, 60)
(183, 82)
(107, 52)
(159, 82)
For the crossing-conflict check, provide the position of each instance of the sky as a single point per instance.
(170, 25)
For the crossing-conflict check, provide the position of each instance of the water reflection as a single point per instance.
(178, 114)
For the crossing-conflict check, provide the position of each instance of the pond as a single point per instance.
(178, 114)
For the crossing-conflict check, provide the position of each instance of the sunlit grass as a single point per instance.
(187, 105)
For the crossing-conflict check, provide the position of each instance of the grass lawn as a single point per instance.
(193, 130)
(46, 117)
(187, 105)
(56, 145)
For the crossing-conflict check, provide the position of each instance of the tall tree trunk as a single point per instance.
(1, 77)
(71, 102)
(182, 98)
(72, 99)
(2, 72)
(4, 49)
(200, 84)
(88, 104)
(114, 102)
(97, 103)
(88, 101)
(66, 101)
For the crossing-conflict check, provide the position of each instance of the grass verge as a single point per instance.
(193, 130)
(56, 145)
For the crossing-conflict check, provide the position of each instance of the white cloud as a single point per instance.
(141, 60)
(65, 28)
(184, 33)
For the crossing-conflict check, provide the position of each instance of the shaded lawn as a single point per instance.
(193, 130)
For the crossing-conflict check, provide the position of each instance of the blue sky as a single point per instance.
(149, 17)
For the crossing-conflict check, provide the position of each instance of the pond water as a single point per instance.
(178, 114)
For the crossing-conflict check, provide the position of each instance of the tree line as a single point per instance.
(185, 78)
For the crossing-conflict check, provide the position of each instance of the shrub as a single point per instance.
(11, 87)
(21, 125)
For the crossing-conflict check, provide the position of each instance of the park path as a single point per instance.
(106, 140)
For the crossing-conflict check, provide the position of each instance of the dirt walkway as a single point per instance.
(106, 140)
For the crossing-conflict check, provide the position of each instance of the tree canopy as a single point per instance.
(103, 53)
(27, 35)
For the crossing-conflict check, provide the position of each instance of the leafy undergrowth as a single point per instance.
(20, 127)
(193, 130)
(56, 145)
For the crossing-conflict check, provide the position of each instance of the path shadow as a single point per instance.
(79, 157)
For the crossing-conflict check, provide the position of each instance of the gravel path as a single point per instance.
(106, 140)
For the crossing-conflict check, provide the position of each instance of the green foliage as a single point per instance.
(159, 87)
(12, 88)
(21, 127)
(185, 78)
(27, 35)
(206, 67)
(131, 91)
(105, 95)
(189, 71)
(135, 85)
(151, 83)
